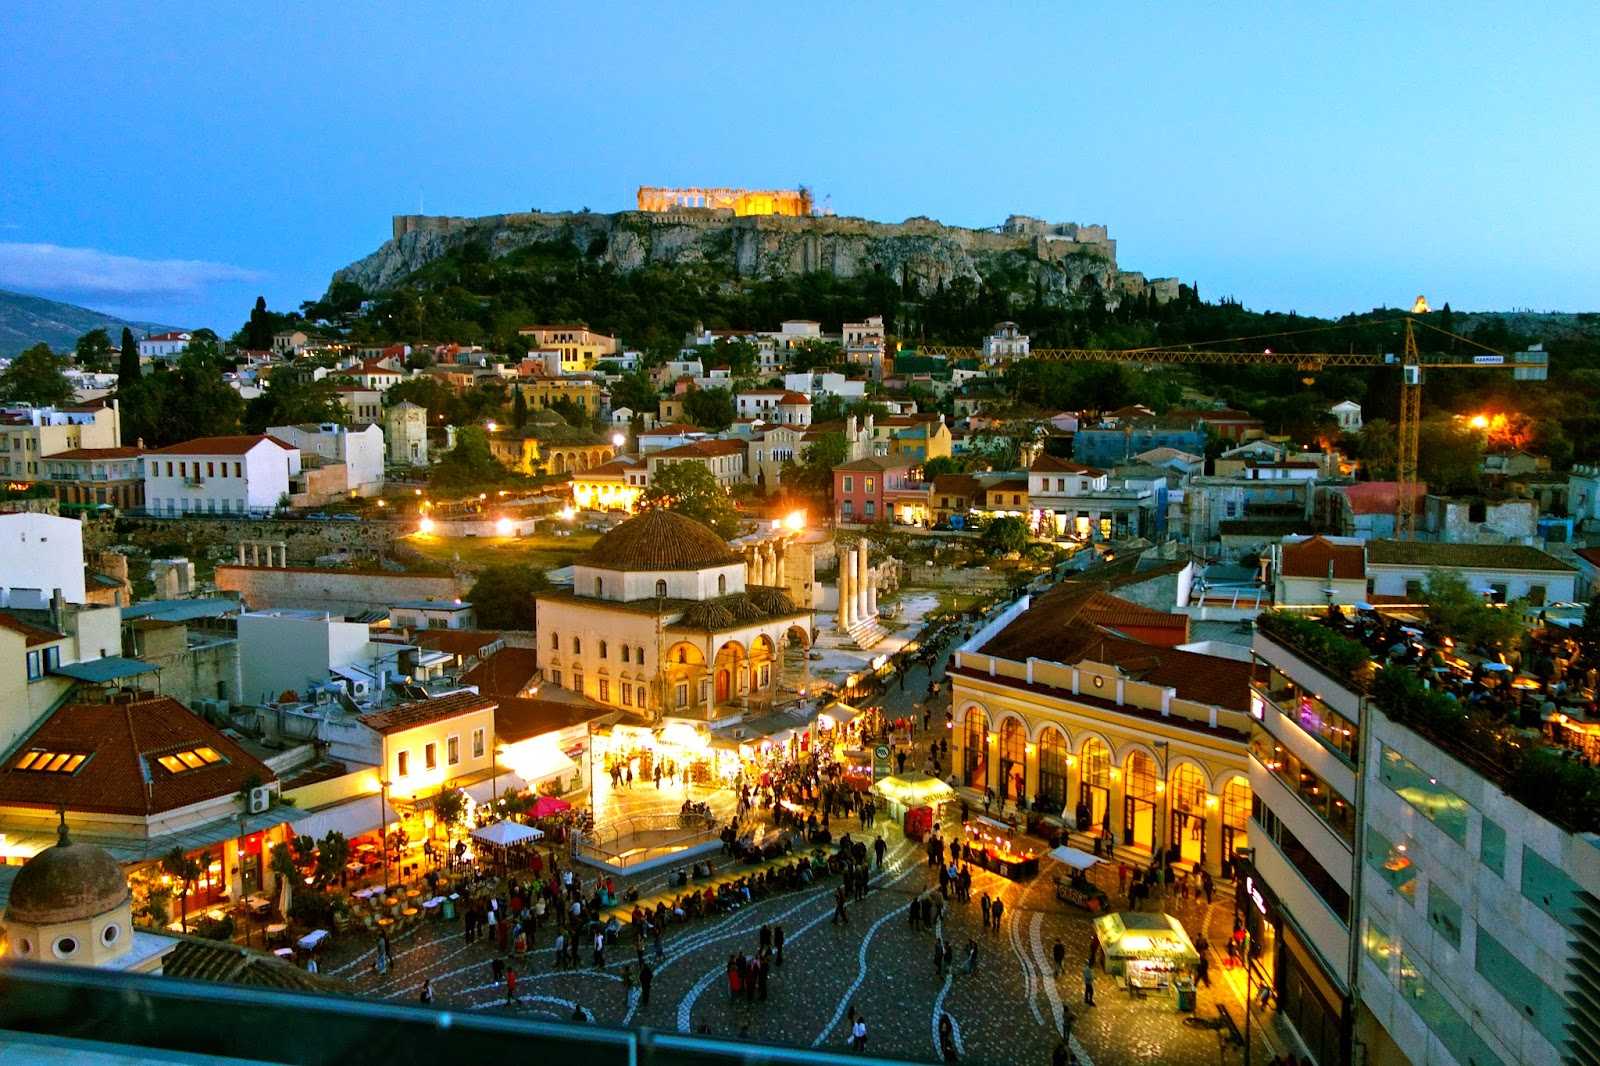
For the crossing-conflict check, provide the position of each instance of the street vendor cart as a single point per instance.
(1073, 885)
(1147, 952)
(993, 845)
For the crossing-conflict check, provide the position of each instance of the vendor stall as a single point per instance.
(993, 845)
(1146, 951)
(902, 792)
(1073, 885)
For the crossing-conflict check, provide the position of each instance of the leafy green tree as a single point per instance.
(185, 871)
(1006, 534)
(1463, 613)
(93, 350)
(1378, 446)
(636, 392)
(710, 409)
(692, 490)
(469, 464)
(430, 393)
(502, 596)
(813, 474)
(943, 464)
(815, 355)
(1449, 456)
(290, 399)
(194, 398)
(333, 851)
(740, 356)
(128, 359)
(35, 377)
(450, 808)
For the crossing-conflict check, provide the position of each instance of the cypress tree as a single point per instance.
(128, 362)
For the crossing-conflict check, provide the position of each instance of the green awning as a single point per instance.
(106, 669)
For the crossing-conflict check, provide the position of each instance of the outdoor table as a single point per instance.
(283, 953)
(385, 922)
(355, 868)
(410, 912)
(367, 893)
(310, 941)
(258, 904)
(390, 901)
(432, 906)
(276, 929)
(413, 893)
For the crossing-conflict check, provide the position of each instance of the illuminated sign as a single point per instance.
(1254, 893)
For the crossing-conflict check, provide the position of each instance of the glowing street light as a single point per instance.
(425, 525)
(491, 426)
(618, 440)
(795, 521)
(503, 527)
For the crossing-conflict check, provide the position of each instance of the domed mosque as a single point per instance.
(663, 621)
(70, 904)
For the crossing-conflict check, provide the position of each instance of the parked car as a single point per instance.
(318, 516)
(347, 517)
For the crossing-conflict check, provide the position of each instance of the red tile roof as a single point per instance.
(122, 776)
(1376, 497)
(520, 718)
(1318, 557)
(464, 643)
(237, 445)
(505, 673)
(36, 634)
(794, 399)
(421, 712)
(96, 453)
(704, 449)
(1055, 464)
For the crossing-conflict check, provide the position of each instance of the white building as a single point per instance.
(164, 345)
(360, 450)
(41, 552)
(405, 428)
(826, 383)
(219, 475)
(1502, 572)
(780, 406)
(1007, 342)
(1348, 414)
(298, 651)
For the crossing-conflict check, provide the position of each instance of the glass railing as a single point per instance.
(194, 1018)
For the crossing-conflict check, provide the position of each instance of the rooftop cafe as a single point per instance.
(1517, 709)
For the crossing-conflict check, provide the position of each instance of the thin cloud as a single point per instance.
(89, 271)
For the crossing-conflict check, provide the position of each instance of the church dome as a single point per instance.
(659, 539)
(67, 883)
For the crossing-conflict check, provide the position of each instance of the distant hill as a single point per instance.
(26, 320)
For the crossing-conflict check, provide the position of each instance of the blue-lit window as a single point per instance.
(1430, 799)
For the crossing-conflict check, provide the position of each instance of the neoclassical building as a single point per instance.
(662, 621)
(1056, 707)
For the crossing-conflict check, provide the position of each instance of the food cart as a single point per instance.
(1073, 886)
(992, 845)
(1149, 951)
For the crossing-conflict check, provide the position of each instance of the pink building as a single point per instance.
(861, 488)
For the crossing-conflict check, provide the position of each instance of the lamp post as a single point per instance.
(1164, 747)
(383, 819)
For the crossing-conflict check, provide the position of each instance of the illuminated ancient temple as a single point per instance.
(739, 201)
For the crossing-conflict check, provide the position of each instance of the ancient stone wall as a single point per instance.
(347, 592)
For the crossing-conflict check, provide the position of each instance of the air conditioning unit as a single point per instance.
(260, 799)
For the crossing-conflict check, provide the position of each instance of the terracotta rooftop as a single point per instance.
(421, 712)
(465, 643)
(518, 718)
(124, 742)
(237, 445)
(872, 463)
(504, 674)
(1318, 557)
(96, 453)
(36, 634)
(1376, 497)
(659, 539)
(704, 449)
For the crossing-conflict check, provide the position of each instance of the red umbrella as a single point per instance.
(545, 806)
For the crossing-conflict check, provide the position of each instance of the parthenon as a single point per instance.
(739, 201)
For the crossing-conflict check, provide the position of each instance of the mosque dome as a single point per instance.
(660, 539)
(67, 883)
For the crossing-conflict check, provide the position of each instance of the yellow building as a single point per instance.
(613, 486)
(428, 744)
(539, 392)
(579, 347)
(1143, 742)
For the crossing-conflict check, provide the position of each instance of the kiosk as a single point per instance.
(1147, 951)
(992, 845)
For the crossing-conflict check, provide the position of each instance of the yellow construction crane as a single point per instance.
(1410, 362)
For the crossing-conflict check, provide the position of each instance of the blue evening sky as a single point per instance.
(172, 160)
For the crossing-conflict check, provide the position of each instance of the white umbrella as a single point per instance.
(1073, 857)
(507, 834)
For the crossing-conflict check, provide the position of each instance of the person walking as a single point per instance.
(880, 847)
(497, 969)
(947, 1038)
(840, 917)
(777, 944)
(858, 1034)
(1206, 885)
(427, 992)
(1058, 954)
(984, 903)
(996, 909)
(1088, 984)
(511, 985)
(647, 974)
(916, 914)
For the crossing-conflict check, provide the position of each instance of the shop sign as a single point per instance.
(880, 761)
(1255, 895)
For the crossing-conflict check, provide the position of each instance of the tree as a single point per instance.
(259, 330)
(636, 392)
(450, 808)
(1378, 447)
(710, 409)
(815, 355)
(333, 851)
(1462, 612)
(502, 596)
(469, 464)
(291, 399)
(93, 350)
(128, 359)
(35, 377)
(196, 402)
(691, 489)
(1449, 456)
(741, 357)
(1005, 535)
(519, 408)
(943, 464)
(814, 472)
(185, 871)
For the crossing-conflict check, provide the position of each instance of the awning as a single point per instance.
(507, 834)
(1073, 857)
(486, 790)
(914, 789)
(144, 849)
(105, 669)
(352, 817)
(539, 762)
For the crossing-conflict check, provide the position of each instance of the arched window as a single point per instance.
(1013, 748)
(661, 589)
(599, 587)
(975, 749)
(624, 653)
(577, 646)
(555, 641)
(638, 653)
(722, 584)
(1188, 789)
(1052, 769)
(602, 649)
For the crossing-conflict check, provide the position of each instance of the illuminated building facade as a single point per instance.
(795, 202)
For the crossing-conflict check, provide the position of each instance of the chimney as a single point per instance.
(57, 603)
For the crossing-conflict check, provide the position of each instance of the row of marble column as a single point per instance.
(765, 562)
(277, 553)
(858, 589)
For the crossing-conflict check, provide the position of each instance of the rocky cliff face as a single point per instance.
(1051, 258)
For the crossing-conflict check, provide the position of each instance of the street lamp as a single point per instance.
(618, 440)
(383, 819)
(1164, 747)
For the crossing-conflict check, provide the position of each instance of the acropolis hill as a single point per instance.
(735, 234)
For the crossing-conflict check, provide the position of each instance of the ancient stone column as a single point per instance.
(779, 576)
(770, 567)
(862, 580)
(847, 562)
(872, 594)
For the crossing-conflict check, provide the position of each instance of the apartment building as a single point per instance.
(246, 474)
(29, 434)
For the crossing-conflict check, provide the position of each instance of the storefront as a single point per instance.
(1147, 952)
(1309, 999)
(992, 845)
